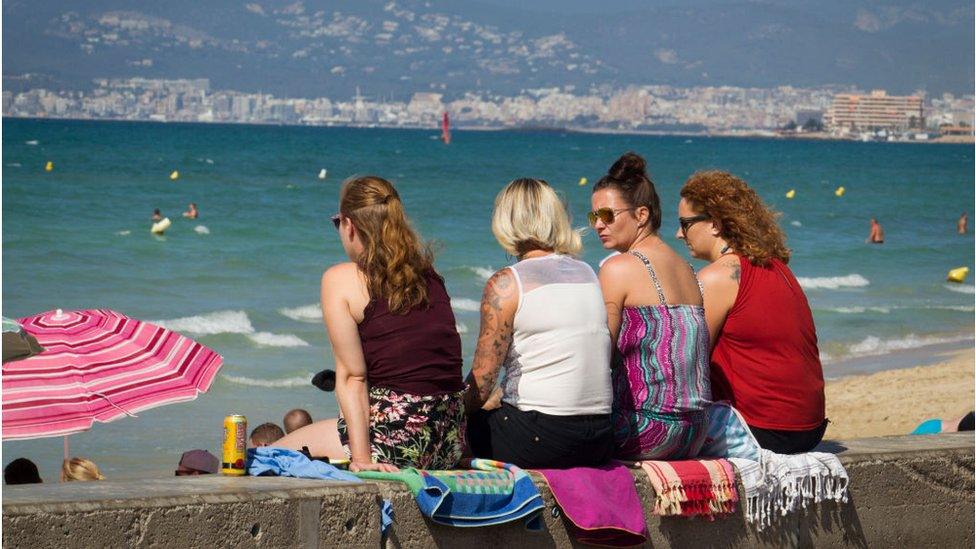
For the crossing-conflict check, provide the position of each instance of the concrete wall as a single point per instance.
(906, 492)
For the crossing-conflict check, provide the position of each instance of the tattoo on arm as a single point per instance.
(494, 339)
(736, 272)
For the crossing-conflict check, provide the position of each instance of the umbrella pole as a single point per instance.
(65, 446)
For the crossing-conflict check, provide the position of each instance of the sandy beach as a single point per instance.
(894, 402)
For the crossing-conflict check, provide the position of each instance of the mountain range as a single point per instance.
(392, 48)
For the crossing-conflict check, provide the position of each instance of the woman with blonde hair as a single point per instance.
(79, 468)
(543, 321)
(395, 342)
(661, 392)
(764, 358)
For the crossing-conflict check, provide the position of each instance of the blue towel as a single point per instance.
(269, 460)
(493, 494)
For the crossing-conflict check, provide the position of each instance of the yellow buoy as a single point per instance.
(840, 191)
(791, 193)
(958, 274)
(175, 175)
(49, 166)
(582, 181)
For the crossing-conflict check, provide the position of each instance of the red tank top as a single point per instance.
(766, 361)
(418, 352)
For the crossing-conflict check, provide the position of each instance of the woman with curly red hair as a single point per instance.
(764, 360)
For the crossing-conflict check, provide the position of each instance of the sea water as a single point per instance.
(243, 278)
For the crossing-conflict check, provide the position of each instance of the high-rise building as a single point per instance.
(875, 111)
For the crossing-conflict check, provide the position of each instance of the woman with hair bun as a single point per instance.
(764, 361)
(654, 309)
(543, 320)
(395, 343)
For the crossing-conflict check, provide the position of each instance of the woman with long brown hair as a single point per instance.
(764, 358)
(395, 343)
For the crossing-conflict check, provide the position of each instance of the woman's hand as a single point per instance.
(358, 466)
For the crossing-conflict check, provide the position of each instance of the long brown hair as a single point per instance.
(745, 221)
(394, 259)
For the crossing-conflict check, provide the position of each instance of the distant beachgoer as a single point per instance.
(265, 434)
(544, 321)
(79, 469)
(654, 307)
(296, 419)
(394, 336)
(21, 471)
(191, 211)
(157, 216)
(961, 224)
(197, 462)
(935, 425)
(877, 233)
(765, 360)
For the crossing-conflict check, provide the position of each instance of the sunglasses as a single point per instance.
(687, 222)
(336, 220)
(606, 215)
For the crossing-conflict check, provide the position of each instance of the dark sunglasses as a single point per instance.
(336, 220)
(606, 215)
(687, 222)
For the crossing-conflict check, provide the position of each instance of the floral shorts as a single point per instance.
(425, 432)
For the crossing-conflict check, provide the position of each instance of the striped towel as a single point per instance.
(778, 484)
(692, 487)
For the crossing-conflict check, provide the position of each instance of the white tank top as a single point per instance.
(559, 360)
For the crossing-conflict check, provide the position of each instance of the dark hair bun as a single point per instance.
(628, 166)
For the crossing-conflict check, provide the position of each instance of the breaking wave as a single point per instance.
(833, 282)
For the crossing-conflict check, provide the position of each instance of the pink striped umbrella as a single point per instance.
(98, 365)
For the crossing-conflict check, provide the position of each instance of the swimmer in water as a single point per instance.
(156, 216)
(877, 233)
(961, 224)
(191, 212)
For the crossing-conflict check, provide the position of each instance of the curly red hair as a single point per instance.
(744, 220)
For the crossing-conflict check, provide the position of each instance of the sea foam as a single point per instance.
(873, 345)
(267, 339)
(961, 288)
(483, 273)
(295, 381)
(305, 313)
(833, 282)
(219, 322)
(465, 304)
(201, 229)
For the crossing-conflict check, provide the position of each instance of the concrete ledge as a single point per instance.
(905, 492)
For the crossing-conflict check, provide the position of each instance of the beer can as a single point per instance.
(235, 445)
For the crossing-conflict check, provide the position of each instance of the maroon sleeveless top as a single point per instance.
(765, 361)
(418, 352)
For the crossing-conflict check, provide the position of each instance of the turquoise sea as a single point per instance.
(243, 278)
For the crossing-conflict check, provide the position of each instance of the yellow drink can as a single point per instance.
(235, 445)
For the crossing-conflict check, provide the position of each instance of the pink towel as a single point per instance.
(601, 504)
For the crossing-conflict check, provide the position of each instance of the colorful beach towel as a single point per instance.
(692, 487)
(491, 492)
(600, 503)
(778, 484)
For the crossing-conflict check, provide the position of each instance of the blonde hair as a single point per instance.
(529, 215)
(394, 259)
(79, 468)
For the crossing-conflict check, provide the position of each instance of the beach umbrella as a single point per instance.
(98, 365)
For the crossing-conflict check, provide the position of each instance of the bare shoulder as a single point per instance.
(619, 266)
(340, 273)
(501, 287)
(724, 273)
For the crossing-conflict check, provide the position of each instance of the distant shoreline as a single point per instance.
(745, 134)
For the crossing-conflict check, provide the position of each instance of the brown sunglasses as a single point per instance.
(606, 215)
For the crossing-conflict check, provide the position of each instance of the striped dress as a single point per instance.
(661, 379)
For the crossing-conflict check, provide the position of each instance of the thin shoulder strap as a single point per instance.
(701, 289)
(650, 270)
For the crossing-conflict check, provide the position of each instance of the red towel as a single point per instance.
(600, 504)
(692, 487)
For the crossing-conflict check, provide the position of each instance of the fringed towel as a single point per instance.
(692, 487)
(492, 493)
(600, 503)
(779, 484)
